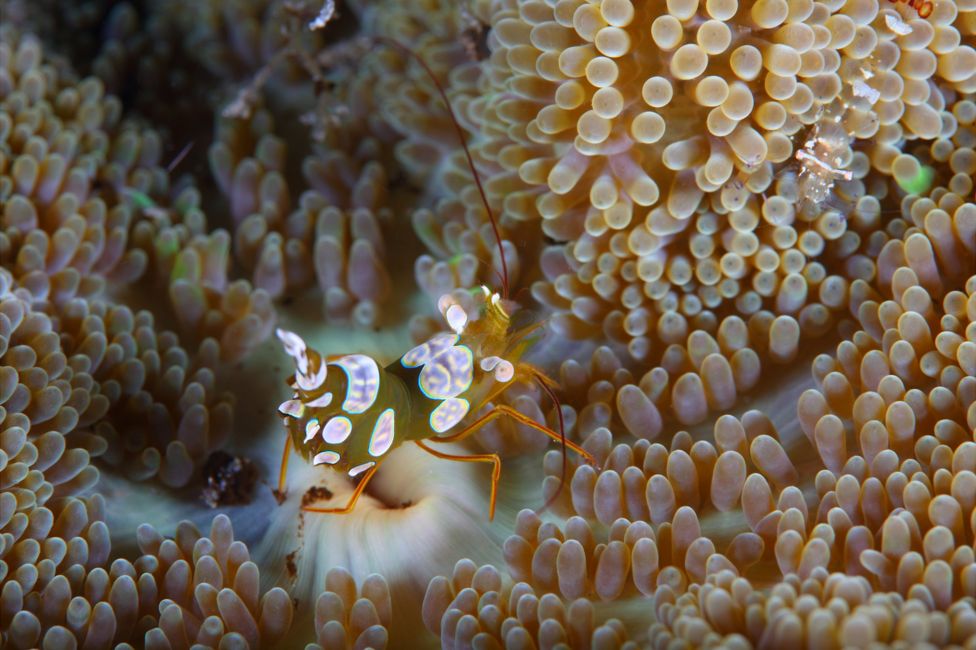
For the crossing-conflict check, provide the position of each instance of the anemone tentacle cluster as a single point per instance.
(334, 237)
(882, 552)
(88, 204)
(209, 590)
(660, 146)
(344, 619)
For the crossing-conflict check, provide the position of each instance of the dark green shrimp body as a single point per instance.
(348, 412)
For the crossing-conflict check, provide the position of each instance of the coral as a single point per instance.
(230, 40)
(568, 563)
(406, 96)
(699, 374)
(61, 589)
(880, 554)
(58, 138)
(208, 303)
(58, 586)
(893, 519)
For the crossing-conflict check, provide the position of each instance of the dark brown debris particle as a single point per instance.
(290, 564)
(229, 479)
(316, 493)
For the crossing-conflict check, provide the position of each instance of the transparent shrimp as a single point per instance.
(827, 151)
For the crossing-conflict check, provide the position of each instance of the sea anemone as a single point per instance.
(749, 231)
(658, 147)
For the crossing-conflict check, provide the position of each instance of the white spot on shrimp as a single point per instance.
(326, 458)
(424, 352)
(311, 382)
(448, 413)
(382, 438)
(292, 408)
(456, 318)
(336, 430)
(293, 343)
(448, 374)
(488, 363)
(295, 348)
(359, 469)
(364, 382)
(311, 429)
(505, 371)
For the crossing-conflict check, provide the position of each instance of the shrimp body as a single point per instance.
(348, 412)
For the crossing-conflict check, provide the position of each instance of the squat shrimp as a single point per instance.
(423, 396)
(350, 418)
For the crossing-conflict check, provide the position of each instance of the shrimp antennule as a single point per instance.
(464, 145)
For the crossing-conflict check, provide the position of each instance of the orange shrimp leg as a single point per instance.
(501, 410)
(477, 458)
(283, 470)
(352, 500)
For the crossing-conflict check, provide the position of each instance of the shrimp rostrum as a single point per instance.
(348, 413)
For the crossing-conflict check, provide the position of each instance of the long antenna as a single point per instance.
(562, 442)
(464, 145)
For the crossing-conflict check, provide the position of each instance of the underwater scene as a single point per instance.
(484, 324)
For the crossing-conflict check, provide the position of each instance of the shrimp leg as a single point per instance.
(476, 458)
(283, 470)
(503, 409)
(352, 500)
